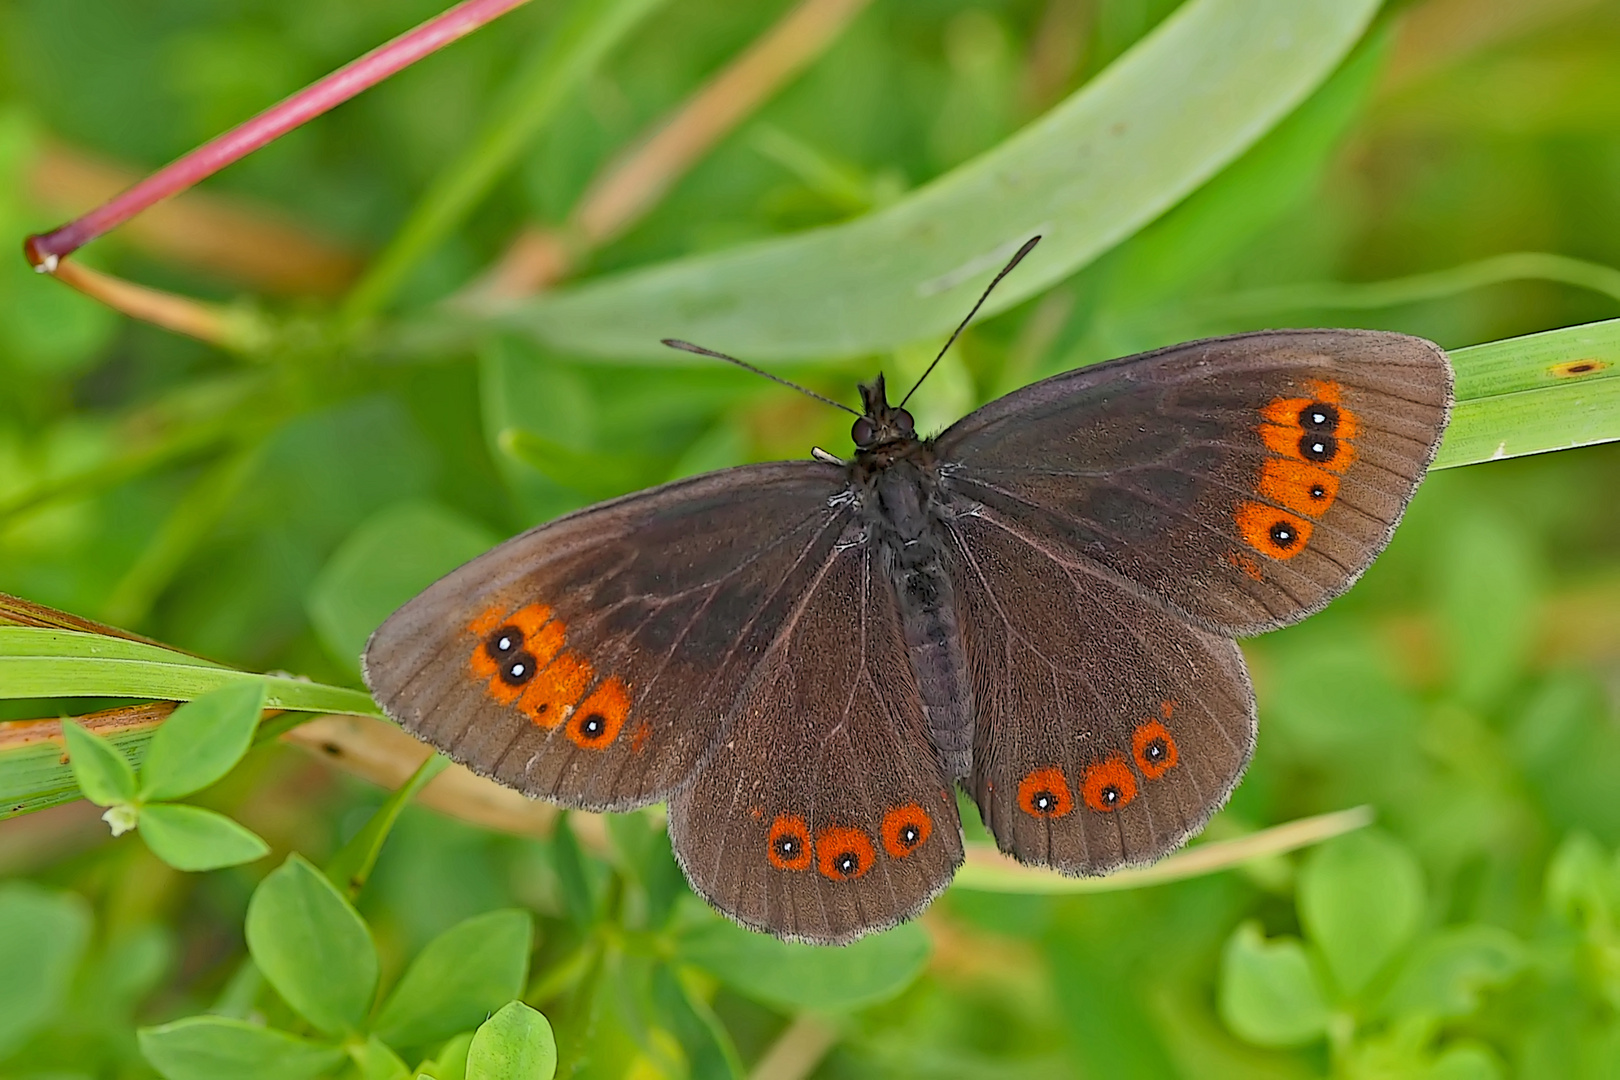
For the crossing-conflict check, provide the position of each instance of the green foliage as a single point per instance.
(1449, 172)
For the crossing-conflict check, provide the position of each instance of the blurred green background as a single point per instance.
(267, 505)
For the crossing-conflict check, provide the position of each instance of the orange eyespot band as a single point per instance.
(843, 854)
(787, 845)
(905, 829)
(1154, 749)
(1044, 793)
(595, 723)
(1109, 784)
(1272, 532)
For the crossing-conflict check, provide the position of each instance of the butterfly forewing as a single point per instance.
(1243, 481)
(595, 659)
(823, 813)
(1108, 730)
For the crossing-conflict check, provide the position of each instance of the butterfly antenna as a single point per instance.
(687, 346)
(1029, 245)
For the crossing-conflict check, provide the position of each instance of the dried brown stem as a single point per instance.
(180, 314)
(634, 181)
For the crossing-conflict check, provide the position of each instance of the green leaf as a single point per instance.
(217, 1048)
(514, 1044)
(352, 865)
(1185, 101)
(312, 947)
(104, 775)
(375, 1061)
(796, 976)
(1525, 395)
(1268, 993)
(591, 473)
(1488, 594)
(1447, 972)
(1583, 883)
(65, 663)
(1360, 900)
(451, 1061)
(201, 741)
(194, 839)
(42, 939)
(459, 978)
(389, 558)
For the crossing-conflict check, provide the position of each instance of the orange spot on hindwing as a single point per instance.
(843, 853)
(596, 721)
(1272, 532)
(1153, 748)
(1109, 784)
(905, 829)
(787, 845)
(1299, 486)
(1044, 793)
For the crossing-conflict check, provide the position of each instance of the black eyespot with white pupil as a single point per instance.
(1155, 751)
(1284, 535)
(909, 836)
(787, 847)
(503, 643)
(1318, 491)
(846, 863)
(593, 726)
(1318, 447)
(1319, 418)
(519, 668)
(1111, 795)
(1044, 801)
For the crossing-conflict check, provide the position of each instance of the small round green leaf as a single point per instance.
(1360, 900)
(1268, 993)
(194, 839)
(458, 979)
(312, 946)
(217, 1048)
(1448, 972)
(42, 939)
(104, 775)
(514, 1044)
(202, 740)
(797, 976)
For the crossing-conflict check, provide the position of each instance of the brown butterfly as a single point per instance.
(806, 658)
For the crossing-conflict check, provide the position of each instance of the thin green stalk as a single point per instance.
(565, 60)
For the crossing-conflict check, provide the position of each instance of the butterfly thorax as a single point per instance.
(903, 519)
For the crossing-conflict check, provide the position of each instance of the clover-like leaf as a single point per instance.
(191, 838)
(42, 939)
(219, 1048)
(1360, 900)
(1268, 993)
(202, 740)
(312, 946)
(514, 1044)
(104, 775)
(458, 979)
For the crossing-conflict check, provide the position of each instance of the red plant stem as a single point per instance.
(44, 250)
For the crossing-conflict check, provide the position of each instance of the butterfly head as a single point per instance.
(881, 422)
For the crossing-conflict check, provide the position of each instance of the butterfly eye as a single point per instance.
(904, 423)
(864, 432)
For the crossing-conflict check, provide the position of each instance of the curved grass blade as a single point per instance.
(1160, 121)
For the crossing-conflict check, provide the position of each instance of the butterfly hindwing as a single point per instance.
(1108, 730)
(823, 813)
(1244, 481)
(593, 660)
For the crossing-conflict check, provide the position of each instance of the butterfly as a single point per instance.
(805, 659)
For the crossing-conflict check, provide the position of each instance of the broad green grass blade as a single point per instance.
(1161, 120)
(37, 663)
(1531, 394)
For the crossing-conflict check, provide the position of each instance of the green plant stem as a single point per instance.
(566, 59)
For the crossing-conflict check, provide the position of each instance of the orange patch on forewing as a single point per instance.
(597, 720)
(487, 622)
(527, 621)
(843, 854)
(794, 856)
(1272, 532)
(1245, 564)
(1284, 412)
(548, 696)
(905, 829)
(1149, 735)
(1044, 793)
(1109, 777)
(1300, 486)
